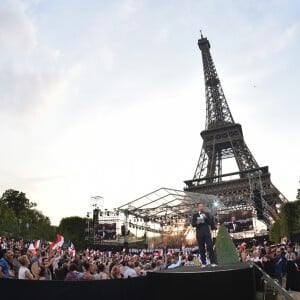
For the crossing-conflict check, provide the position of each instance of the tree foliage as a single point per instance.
(288, 223)
(8, 220)
(73, 229)
(225, 248)
(275, 232)
(17, 201)
(19, 219)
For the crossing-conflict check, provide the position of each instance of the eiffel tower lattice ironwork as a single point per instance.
(222, 139)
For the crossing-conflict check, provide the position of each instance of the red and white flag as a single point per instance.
(32, 249)
(37, 244)
(57, 243)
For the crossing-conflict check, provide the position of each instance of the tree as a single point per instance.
(225, 248)
(275, 233)
(20, 220)
(73, 229)
(288, 223)
(8, 221)
(40, 225)
(17, 201)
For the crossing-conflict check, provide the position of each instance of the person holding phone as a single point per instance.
(204, 222)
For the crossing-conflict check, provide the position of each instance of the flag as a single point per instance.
(37, 244)
(31, 248)
(143, 254)
(57, 243)
(71, 249)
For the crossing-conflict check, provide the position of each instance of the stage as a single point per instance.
(235, 281)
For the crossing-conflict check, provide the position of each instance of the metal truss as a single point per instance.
(167, 206)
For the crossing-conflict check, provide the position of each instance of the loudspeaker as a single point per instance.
(95, 217)
(123, 230)
(258, 204)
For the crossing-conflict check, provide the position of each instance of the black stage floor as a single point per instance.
(235, 281)
(198, 269)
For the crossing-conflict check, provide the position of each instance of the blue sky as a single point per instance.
(107, 97)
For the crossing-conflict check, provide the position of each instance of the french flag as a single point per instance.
(57, 243)
(71, 249)
(143, 254)
(37, 244)
(32, 249)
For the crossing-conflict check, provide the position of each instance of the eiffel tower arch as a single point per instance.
(249, 186)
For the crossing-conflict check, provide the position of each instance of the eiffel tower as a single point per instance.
(222, 138)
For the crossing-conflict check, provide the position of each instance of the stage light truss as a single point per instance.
(169, 207)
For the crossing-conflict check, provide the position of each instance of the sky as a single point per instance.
(107, 98)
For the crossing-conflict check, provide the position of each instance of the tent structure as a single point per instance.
(167, 206)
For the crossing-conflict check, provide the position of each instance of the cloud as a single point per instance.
(127, 9)
(163, 34)
(17, 32)
(275, 43)
(125, 13)
(29, 72)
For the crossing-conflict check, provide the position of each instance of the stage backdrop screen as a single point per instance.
(237, 221)
(107, 231)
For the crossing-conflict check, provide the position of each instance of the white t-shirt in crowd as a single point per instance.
(22, 270)
(130, 273)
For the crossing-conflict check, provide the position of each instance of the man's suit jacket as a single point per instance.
(232, 228)
(203, 228)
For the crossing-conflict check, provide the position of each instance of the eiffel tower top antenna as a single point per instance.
(201, 34)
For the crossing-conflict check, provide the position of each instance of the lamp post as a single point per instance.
(20, 223)
(27, 230)
(88, 223)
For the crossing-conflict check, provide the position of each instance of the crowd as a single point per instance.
(281, 262)
(19, 261)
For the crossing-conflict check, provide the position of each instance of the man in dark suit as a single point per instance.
(233, 226)
(204, 222)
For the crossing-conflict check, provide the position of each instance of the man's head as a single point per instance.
(7, 254)
(201, 206)
(233, 219)
(17, 253)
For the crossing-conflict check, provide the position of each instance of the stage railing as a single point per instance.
(274, 284)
